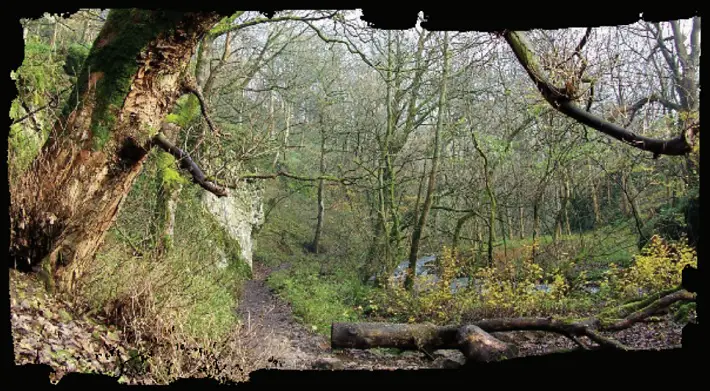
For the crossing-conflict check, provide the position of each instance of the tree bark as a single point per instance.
(471, 340)
(70, 196)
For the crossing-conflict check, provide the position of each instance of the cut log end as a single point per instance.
(479, 346)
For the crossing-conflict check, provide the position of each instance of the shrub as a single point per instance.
(505, 289)
(659, 266)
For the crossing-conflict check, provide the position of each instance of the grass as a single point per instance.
(319, 301)
(184, 289)
(322, 288)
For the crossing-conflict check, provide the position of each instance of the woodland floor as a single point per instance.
(303, 349)
(44, 331)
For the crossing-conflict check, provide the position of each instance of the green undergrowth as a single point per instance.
(194, 287)
(318, 300)
(37, 79)
(322, 288)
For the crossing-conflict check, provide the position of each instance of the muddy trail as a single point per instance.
(295, 347)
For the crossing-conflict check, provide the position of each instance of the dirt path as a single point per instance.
(295, 347)
(272, 319)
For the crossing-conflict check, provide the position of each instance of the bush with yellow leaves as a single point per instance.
(659, 266)
(504, 289)
(515, 289)
(430, 301)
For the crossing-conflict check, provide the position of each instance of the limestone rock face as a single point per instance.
(240, 214)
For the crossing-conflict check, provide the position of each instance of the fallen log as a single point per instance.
(471, 340)
(475, 342)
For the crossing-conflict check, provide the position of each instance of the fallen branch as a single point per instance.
(650, 310)
(188, 164)
(472, 341)
(477, 344)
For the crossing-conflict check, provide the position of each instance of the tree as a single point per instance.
(431, 185)
(69, 197)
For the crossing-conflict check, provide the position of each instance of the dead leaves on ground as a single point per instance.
(44, 331)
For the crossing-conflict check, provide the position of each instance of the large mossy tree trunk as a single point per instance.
(67, 200)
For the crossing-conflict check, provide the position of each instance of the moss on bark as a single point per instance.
(112, 64)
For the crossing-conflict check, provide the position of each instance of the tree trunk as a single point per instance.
(459, 225)
(315, 245)
(522, 223)
(421, 224)
(202, 64)
(471, 340)
(168, 193)
(608, 191)
(53, 41)
(625, 203)
(536, 227)
(595, 204)
(509, 223)
(70, 196)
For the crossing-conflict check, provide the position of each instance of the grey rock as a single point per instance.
(239, 214)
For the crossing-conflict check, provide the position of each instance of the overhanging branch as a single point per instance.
(188, 164)
(560, 100)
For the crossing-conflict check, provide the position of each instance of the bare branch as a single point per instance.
(189, 85)
(281, 173)
(347, 45)
(634, 108)
(580, 45)
(216, 32)
(188, 164)
(561, 101)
